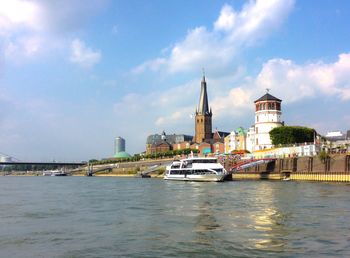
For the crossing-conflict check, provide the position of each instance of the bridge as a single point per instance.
(249, 163)
(43, 163)
(6, 159)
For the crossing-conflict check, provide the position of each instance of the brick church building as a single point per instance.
(205, 140)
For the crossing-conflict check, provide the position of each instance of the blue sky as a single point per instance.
(74, 75)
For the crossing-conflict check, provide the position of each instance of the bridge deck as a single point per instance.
(44, 163)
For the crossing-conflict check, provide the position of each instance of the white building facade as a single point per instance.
(250, 141)
(230, 142)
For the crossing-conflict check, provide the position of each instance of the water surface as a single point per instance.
(128, 217)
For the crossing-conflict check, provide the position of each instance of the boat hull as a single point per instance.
(60, 174)
(196, 178)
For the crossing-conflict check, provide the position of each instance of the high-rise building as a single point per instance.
(119, 144)
(119, 148)
(203, 117)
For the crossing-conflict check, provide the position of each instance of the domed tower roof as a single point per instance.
(266, 97)
(122, 154)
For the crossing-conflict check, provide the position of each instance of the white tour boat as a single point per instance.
(54, 173)
(196, 169)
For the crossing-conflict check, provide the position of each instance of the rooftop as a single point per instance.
(266, 97)
(122, 154)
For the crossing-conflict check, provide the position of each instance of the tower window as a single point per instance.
(278, 106)
(257, 119)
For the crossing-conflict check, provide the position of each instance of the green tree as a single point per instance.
(291, 134)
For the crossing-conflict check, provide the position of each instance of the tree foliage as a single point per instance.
(137, 157)
(291, 134)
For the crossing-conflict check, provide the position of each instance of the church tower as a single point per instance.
(203, 125)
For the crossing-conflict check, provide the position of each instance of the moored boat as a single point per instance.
(196, 169)
(54, 173)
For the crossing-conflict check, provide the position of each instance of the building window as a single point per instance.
(256, 129)
(264, 106)
(257, 142)
(257, 119)
(278, 106)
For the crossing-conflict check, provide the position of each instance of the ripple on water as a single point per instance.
(104, 217)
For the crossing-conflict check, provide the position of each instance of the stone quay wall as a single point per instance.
(334, 168)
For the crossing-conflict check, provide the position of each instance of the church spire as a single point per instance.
(203, 107)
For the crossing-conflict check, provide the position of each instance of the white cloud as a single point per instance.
(175, 106)
(294, 82)
(31, 27)
(22, 47)
(19, 13)
(232, 31)
(232, 97)
(235, 103)
(82, 55)
(174, 117)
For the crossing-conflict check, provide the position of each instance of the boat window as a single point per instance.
(187, 164)
(204, 161)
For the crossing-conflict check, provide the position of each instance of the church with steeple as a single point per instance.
(205, 140)
(203, 121)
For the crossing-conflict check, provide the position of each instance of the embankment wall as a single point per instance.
(334, 168)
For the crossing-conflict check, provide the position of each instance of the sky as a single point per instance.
(76, 74)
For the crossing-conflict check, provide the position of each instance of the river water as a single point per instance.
(129, 217)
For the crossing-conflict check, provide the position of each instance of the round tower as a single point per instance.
(267, 116)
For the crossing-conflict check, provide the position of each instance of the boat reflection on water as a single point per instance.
(205, 224)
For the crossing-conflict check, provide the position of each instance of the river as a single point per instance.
(129, 217)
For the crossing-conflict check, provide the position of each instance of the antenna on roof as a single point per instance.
(203, 71)
(267, 90)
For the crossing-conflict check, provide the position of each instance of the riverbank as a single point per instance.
(333, 168)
